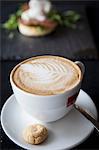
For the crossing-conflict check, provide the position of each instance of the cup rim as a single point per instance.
(26, 92)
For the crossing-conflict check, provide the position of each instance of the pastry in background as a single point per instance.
(34, 20)
(39, 17)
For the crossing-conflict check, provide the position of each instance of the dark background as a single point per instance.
(92, 11)
(73, 44)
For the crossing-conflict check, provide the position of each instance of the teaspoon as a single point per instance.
(88, 116)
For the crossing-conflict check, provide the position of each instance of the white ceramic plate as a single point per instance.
(65, 133)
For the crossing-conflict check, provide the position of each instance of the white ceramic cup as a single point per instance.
(47, 108)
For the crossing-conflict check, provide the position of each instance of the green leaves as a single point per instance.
(40, 28)
(67, 23)
(68, 19)
(18, 13)
(55, 16)
(12, 23)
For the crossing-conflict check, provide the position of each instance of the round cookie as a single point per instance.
(35, 134)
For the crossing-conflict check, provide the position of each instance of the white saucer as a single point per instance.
(63, 134)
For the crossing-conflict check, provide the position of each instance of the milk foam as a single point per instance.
(37, 10)
(46, 76)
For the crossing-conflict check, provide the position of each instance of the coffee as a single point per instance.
(46, 75)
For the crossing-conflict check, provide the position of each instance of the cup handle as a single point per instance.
(81, 66)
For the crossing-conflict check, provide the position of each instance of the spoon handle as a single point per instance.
(88, 116)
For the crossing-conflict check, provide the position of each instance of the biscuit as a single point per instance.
(35, 134)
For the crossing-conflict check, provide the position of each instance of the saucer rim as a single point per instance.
(23, 146)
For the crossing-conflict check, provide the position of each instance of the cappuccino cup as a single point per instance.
(46, 87)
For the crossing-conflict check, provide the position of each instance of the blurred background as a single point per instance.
(81, 43)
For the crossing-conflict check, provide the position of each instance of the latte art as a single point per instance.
(45, 72)
(46, 75)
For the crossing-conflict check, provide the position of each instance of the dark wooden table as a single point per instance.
(66, 42)
(90, 85)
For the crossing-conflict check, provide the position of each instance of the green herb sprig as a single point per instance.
(71, 18)
(12, 22)
(68, 18)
